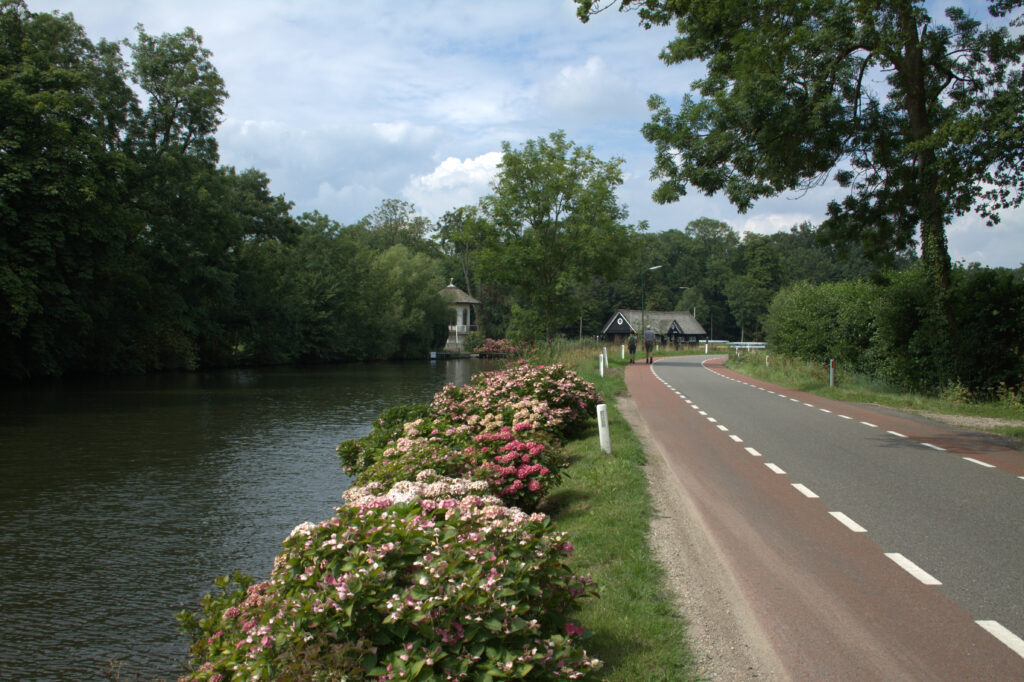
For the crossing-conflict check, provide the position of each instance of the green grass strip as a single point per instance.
(849, 387)
(605, 506)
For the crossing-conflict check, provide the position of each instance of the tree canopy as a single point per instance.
(922, 120)
(558, 223)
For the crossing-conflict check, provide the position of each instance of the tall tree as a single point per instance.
(186, 94)
(64, 105)
(793, 92)
(461, 232)
(395, 222)
(558, 223)
(183, 221)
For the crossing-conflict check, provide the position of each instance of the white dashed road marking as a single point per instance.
(912, 568)
(848, 522)
(807, 492)
(774, 467)
(1011, 640)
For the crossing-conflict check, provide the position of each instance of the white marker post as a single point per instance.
(600, 363)
(606, 356)
(602, 428)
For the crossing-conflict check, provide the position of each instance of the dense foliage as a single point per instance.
(419, 575)
(126, 248)
(794, 91)
(888, 330)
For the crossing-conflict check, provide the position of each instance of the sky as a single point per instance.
(346, 103)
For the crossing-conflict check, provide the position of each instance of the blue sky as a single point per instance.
(345, 104)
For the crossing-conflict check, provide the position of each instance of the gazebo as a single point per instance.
(461, 318)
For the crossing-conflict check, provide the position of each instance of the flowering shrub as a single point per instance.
(518, 471)
(521, 472)
(550, 397)
(497, 346)
(404, 586)
(428, 571)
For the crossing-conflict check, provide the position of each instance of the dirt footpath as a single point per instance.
(726, 641)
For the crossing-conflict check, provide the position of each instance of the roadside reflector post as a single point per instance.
(600, 363)
(623, 351)
(602, 428)
(606, 355)
(832, 373)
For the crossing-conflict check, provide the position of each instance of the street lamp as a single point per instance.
(643, 306)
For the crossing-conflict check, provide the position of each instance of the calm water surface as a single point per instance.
(121, 500)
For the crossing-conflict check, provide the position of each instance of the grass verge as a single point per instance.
(992, 416)
(605, 506)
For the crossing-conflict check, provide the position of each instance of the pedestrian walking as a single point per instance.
(649, 343)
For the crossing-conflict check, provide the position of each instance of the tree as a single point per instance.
(792, 94)
(63, 111)
(186, 94)
(461, 232)
(558, 224)
(395, 222)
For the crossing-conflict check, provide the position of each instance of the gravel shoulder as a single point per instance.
(726, 640)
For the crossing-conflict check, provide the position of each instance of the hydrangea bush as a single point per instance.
(518, 471)
(551, 397)
(413, 584)
(497, 346)
(431, 569)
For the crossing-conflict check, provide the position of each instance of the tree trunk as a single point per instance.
(931, 211)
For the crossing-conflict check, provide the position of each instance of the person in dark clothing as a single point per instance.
(649, 343)
(631, 344)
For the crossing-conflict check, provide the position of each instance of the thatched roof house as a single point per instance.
(677, 326)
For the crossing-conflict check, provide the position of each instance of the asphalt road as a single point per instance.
(869, 545)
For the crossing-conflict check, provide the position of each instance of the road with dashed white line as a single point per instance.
(869, 545)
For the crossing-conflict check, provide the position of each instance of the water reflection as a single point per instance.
(121, 500)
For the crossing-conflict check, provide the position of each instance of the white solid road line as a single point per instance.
(912, 568)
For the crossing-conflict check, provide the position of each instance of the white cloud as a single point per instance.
(972, 241)
(453, 183)
(770, 223)
(403, 132)
(592, 91)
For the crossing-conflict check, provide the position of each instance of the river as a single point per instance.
(122, 499)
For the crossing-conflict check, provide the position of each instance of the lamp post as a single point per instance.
(643, 306)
